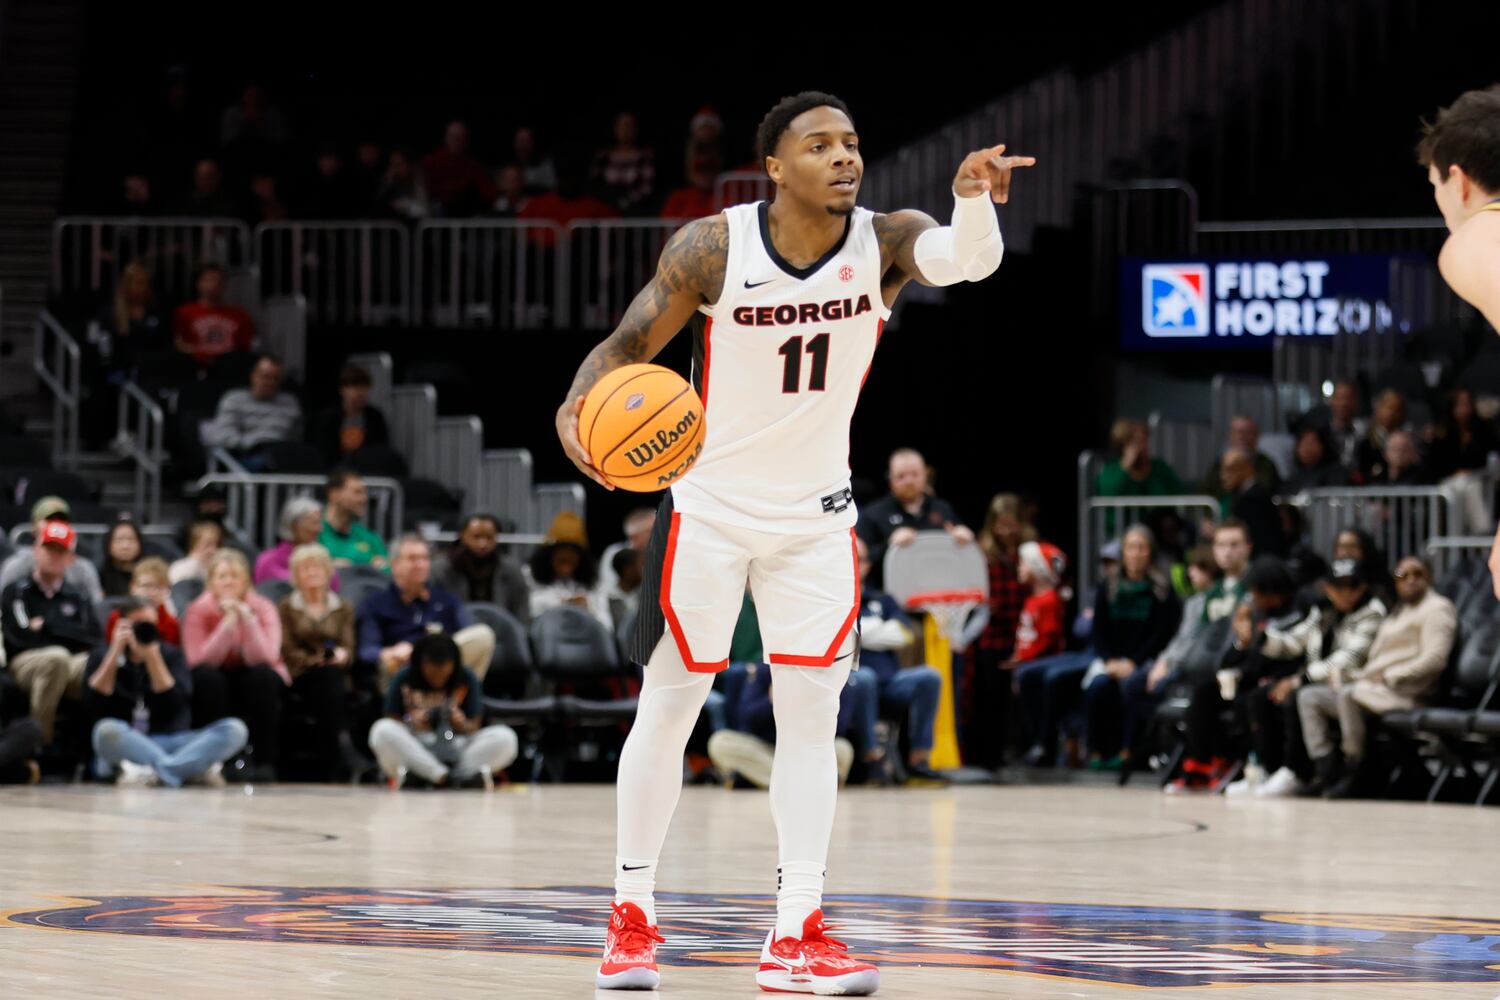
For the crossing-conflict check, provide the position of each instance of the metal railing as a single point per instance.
(413, 420)
(1187, 447)
(1447, 553)
(550, 499)
(88, 252)
(1302, 236)
(1104, 518)
(350, 273)
(58, 366)
(497, 273)
(612, 259)
(1403, 520)
(93, 534)
(505, 486)
(143, 428)
(452, 455)
(254, 503)
(736, 187)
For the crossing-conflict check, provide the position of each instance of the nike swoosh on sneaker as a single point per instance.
(758, 283)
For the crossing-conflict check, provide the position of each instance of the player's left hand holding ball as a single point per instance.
(988, 170)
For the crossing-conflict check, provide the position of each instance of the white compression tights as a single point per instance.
(804, 777)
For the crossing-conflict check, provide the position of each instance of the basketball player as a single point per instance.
(1461, 151)
(787, 300)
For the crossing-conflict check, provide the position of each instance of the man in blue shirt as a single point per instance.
(391, 621)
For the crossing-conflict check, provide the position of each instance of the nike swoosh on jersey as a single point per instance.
(758, 283)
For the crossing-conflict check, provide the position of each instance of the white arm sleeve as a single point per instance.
(968, 250)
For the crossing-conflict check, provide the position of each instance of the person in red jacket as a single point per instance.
(1040, 631)
(208, 329)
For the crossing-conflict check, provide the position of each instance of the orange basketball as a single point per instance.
(642, 426)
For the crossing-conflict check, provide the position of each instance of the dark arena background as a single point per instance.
(279, 276)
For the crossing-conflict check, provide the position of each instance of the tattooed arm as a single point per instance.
(689, 273)
(897, 234)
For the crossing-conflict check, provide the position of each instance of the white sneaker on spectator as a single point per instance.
(1283, 784)
(213, 777)
(133, 775)
(1242, 788)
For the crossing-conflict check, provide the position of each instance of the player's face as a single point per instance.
(820, 160)
(1448, 193)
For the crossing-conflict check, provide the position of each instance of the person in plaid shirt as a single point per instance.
(986, 681)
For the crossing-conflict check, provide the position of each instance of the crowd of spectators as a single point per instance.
(255, 162)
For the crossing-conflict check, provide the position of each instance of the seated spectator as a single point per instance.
(1135, 616)
(910, 507)
(433, 711)
(48, 626)
(1458, 456)
(537, 172)
(629, 567)
(1251, 676)
(1369, 455)
(912, 692)
(563, 572)
(475, 568)
(625, 173)
(81, 574)
(206, 328)
(1250, 503)
(457, 183)
(1327, 646)
(208, 199)
(344, 429)
(1244, 436)
(140, 696)
(986, 725)
(123, 549)
(317, 644)
(151, 583)
(1136, 473)
(748, 749)
(1406, 661)
(1403, 463)
(1316, 464)
(204, 541)
(512, 186)
(135, 195)
(392, 620)
(231, 637)
(345, 535)
(129, 327)
(638, 527)
(267, 202)
(1346, 428)
(301, 524)
(1041, 630)
(567, 203)
(403, 193)
(249, 419)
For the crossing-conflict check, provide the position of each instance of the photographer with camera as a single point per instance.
(433, 709)
(140, 691)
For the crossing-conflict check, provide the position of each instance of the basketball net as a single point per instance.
(949, 609)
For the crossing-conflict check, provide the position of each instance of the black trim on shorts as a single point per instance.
(650, 623)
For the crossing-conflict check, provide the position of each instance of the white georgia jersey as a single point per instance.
(779, 361)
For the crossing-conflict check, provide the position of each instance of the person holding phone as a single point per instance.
(139, 690)
(317, 644)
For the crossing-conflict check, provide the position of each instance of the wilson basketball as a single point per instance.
(642, 426)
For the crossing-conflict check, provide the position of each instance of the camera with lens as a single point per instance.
(446, 747)
(146, 633)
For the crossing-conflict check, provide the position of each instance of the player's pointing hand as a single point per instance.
(988, 170)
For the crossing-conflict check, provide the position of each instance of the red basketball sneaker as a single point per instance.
(629, 952)
(815, 963)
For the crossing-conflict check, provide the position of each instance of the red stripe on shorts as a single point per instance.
(826, 660)
(673, 624)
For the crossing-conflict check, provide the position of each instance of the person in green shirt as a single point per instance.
(346, 537)
(1136, 473)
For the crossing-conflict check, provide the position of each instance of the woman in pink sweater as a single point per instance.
(232, 639)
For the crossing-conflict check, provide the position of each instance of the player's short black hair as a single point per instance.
(1466, 133)
(788, 108)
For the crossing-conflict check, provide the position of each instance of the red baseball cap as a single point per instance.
(59, 533)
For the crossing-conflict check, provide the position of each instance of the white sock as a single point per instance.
(799, 891)
(635, 881)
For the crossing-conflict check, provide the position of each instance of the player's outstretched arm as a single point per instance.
(913, 245)
(689, 272)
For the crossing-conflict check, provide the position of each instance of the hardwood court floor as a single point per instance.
(306, 891)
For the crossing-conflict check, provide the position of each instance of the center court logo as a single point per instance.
(1140, 946)
(1174, 300)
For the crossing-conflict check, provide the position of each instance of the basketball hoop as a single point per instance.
(949, 609)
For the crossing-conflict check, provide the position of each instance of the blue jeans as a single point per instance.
(1048, 688)
(915, 689)
(175, 756)
(865, 685)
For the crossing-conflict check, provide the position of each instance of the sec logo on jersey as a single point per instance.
(1174, 300)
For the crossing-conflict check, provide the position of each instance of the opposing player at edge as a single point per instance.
(1461, 151)
(786, 301)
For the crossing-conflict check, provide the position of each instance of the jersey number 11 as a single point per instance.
(791, 372)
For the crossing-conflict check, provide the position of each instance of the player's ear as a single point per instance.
(773, 168)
